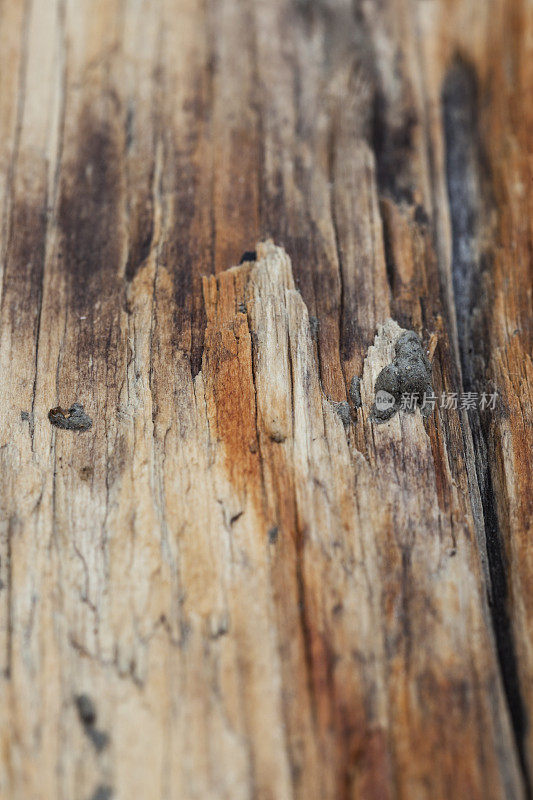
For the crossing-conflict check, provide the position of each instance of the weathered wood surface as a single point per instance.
(259, 600)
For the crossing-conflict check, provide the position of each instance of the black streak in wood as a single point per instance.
(102, 792)
(466, 181)
(87, 715)
(392, 143)
(89, 214)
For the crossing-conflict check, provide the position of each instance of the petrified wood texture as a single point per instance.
(235, 583)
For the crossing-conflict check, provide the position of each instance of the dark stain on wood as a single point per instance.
(186, 254)
(86, 473)
(273, 535)
(102, 792)
(141, 232)
(248, 255)
(24, 268)
(469, 202)
(459, 100)
(87, 715)
(89, 212)
(393, 147)
(86, 710)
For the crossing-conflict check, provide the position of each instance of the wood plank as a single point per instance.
(237, 583)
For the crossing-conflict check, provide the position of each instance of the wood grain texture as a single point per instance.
(253, 595)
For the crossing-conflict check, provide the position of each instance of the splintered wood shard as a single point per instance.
(364, 543)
